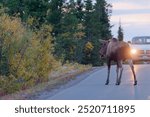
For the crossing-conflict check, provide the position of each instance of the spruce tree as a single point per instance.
(68, 40)
(88, 14)
(97, 26)
(37, 10)
(101, 19)
(27, 10)
(101, 28)
(120, 32)
(54, 15)
(88, 24)
(79, 10)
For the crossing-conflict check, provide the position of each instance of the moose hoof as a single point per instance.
(135, 83)
(106, 83)
(117, 83)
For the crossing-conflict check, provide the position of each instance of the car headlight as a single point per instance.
(133, 51)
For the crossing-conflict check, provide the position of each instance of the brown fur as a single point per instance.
(117, 51)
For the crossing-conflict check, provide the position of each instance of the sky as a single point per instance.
(134, 16)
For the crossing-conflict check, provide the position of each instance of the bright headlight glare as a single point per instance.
(133, 51)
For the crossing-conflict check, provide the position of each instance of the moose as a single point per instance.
(117, 51)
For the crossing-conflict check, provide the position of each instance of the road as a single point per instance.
(93, 86)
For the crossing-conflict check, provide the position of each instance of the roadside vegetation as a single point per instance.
(40, 41)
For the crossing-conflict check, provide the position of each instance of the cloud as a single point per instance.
(133, 25)
(129, 6)
(131, 18)
(134, 16)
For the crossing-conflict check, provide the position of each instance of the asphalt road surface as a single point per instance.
(93, 86)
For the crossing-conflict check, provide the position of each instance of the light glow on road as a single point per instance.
(136, 69)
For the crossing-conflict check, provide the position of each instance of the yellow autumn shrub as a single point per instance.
(26, 55)
(88, 47)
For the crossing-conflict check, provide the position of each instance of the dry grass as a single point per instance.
(57, 78)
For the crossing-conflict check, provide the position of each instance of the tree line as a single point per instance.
(77, 25)
(37, 35)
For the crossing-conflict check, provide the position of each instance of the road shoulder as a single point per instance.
(50, 89)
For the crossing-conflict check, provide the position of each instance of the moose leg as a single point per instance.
(108, 64)
(117, 72)
(121, 70)
(132, 68)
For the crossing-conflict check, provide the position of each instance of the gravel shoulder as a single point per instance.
(77, 79)
(46, 90)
